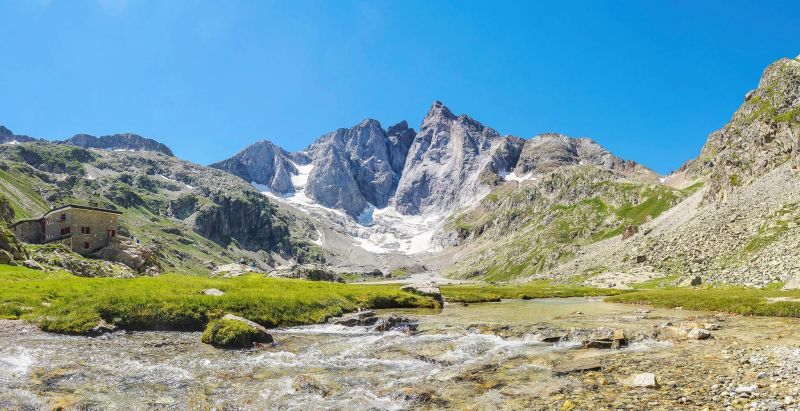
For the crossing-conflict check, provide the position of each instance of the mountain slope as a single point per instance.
(762, 135)
(551, 206)
(193, 217)
(742, 226)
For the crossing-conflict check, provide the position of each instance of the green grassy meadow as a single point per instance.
(61, 302)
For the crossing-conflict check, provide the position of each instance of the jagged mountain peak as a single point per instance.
(262, 163)
(438, 112)
(122, 141)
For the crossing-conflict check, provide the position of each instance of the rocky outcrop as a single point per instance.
(546, 152)
(246, 218)
(311, 272)
(120, 142)
(135, 256)
(59, 257)
(445, 163)
(425, 290)
(357, 167)
(263, 163)
(10, 249)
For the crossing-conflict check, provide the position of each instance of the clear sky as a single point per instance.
(649, 80)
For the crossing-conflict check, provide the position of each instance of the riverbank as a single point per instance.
(63, 303)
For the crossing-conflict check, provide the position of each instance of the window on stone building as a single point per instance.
(63, 217)
(86, 245)
(86, 230)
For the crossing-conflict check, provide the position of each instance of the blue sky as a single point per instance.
(649, 80)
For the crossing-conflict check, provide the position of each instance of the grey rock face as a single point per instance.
(546, 152)
(6, 136)
(125, 141)
(357, 166)
(400, 139)
(263, 163)
(445, 162)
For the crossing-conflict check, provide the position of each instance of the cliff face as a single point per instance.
(263, 163)
(445, 162)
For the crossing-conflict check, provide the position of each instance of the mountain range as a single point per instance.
(454, 196)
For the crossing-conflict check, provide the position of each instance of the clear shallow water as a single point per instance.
(452, 362)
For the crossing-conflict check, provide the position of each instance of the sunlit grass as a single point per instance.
(737, 300)
(61, 302)
(534, 289)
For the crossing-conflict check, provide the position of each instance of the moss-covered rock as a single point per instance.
(235, 332)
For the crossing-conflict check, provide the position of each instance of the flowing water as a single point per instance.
(484, 356)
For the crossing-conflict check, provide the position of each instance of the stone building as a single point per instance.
(83, 229)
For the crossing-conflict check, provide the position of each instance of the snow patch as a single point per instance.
(300, 180)
(377, 230)
(512, 176)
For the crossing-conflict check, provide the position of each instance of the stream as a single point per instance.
(480, 356)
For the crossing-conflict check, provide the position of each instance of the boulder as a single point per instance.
(689, 281)
(577, 366)
(136, 256)
(103, 327)
(426, 290)
(604, 340)
(234, 332)
(233, 270)
(361, 318)
(643, 380)
(685, 332)
(32, 264)
(395, 323)
(308, 384)
(629, 231)
(698, 334)
(213, 292)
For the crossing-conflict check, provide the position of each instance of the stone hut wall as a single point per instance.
(92, 229)
(28, 231)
